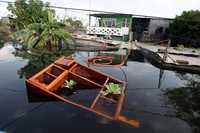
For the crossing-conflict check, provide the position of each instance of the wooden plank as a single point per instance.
(97, 97)
(134, 123)
(119, 106)
(111, 77)
(65, 61)
(109, 99)
(41, 72)
(92, 82)
(58, 81)
(51, 74)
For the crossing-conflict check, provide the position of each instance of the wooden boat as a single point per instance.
(157, 61)
(109, 59)
(49, 82)
(86, 44)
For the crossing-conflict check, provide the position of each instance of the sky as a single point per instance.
(159, 8)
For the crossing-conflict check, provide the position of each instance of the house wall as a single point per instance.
(120, 22)
(157, 23)
(151, 29)
(139, 27)
(159, 29)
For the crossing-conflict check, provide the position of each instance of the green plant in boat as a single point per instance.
(70, 84)
(112, 88)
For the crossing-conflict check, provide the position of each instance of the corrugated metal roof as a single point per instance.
(129, 15)
(110, 14)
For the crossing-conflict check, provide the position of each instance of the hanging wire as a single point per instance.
(100, 11)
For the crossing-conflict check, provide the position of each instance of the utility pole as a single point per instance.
(90, 12)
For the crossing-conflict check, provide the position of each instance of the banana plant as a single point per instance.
(112, 88)
(70, 84)
(41, 35)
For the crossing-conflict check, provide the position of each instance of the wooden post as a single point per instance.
(130, 36)
(89, 20)
(166, 50)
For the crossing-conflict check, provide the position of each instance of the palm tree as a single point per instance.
(49, 34)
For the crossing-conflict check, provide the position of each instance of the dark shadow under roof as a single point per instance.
(110, 15)
(128, 15)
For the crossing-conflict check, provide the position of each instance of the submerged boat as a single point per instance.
(110, 59)
(90, 85)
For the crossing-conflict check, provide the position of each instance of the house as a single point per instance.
(151, 29)
(123, 26)
(115, 26)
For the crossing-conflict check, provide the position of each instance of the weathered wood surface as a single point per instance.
(69, 69)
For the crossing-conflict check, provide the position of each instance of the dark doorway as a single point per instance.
(139, 25)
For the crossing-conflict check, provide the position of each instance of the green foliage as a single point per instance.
(4, 33)
(49, 34)
(72, 25)
(25, 12)
(112, 88)
(185, 29)
(70, 84)
(38, 59)
(37, 26)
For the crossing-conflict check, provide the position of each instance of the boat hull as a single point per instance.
(51, 79)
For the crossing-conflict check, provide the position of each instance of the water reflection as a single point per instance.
(38, 60)
(136, 55)
(187, 100)
(6, 53)
(1, 44)
(118, 57)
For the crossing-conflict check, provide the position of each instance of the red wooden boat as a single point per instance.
(50, 80)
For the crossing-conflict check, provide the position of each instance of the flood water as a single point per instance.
(163, 101)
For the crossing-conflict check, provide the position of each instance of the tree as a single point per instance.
(38, 59)
(185, 29)
(72, 25)
(49, 34)
(4, 33)
(25, 12)
(36, 25)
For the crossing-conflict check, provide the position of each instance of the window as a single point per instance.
(109, 22)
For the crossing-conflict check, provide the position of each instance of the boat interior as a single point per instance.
(90, 84)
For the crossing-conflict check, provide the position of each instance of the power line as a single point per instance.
(90, 10)
(108, 12)
(59, 7)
